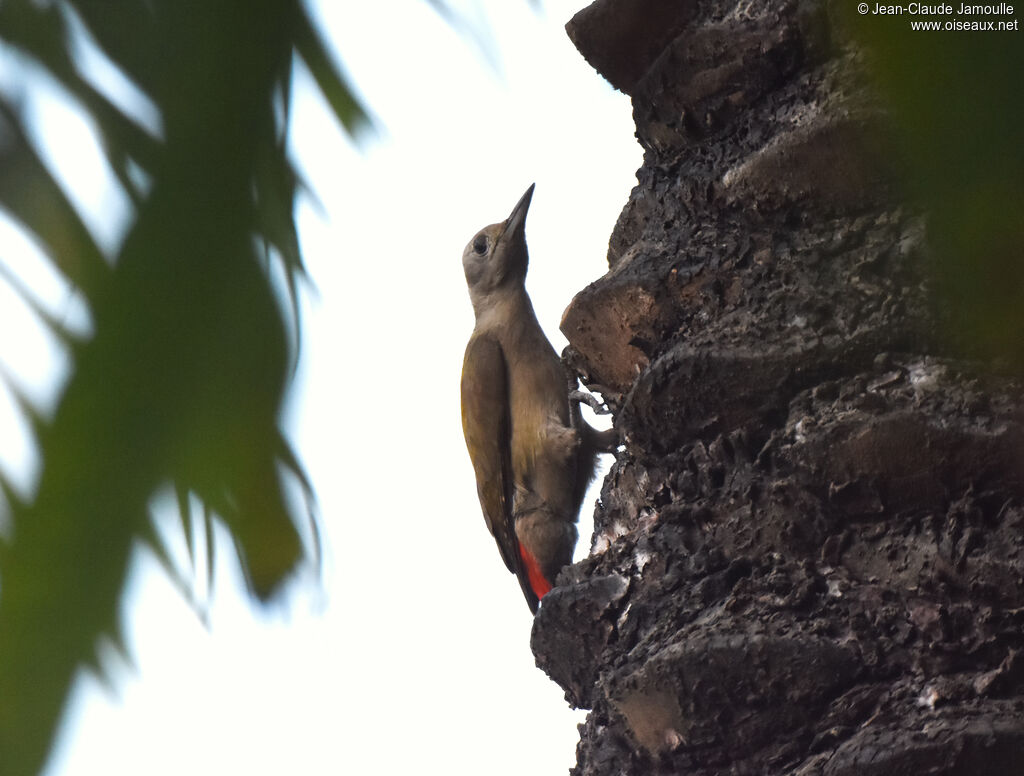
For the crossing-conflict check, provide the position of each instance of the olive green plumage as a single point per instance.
(529, 451)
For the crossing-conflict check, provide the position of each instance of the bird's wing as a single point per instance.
(485, 422)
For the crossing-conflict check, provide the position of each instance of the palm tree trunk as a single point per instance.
(808, 557)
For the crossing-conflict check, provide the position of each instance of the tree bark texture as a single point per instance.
(807, 557)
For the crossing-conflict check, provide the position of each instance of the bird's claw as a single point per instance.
(582, 397)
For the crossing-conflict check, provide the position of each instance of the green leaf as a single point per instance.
(184, 377)
(959, 141)
(29, 193)
(328, 76)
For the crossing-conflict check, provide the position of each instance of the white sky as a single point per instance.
(413, 654)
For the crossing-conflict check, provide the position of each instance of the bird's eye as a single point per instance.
(480, 245)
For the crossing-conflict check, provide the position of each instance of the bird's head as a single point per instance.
(496, 256)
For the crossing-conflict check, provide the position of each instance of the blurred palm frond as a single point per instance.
(182, 378)
(958, 121)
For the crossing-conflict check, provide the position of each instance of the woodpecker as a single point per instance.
(532, 454)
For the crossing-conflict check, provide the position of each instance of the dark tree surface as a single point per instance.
(808, 556)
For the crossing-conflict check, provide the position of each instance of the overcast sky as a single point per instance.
(412, 654)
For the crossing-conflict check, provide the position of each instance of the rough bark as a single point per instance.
(807, 557)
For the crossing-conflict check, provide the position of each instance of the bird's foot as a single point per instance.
(582, 397)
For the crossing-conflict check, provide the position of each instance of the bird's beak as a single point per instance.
(517, 221)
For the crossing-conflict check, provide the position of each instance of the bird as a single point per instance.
(533, 455)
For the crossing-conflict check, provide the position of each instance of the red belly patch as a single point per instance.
(541, 587)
